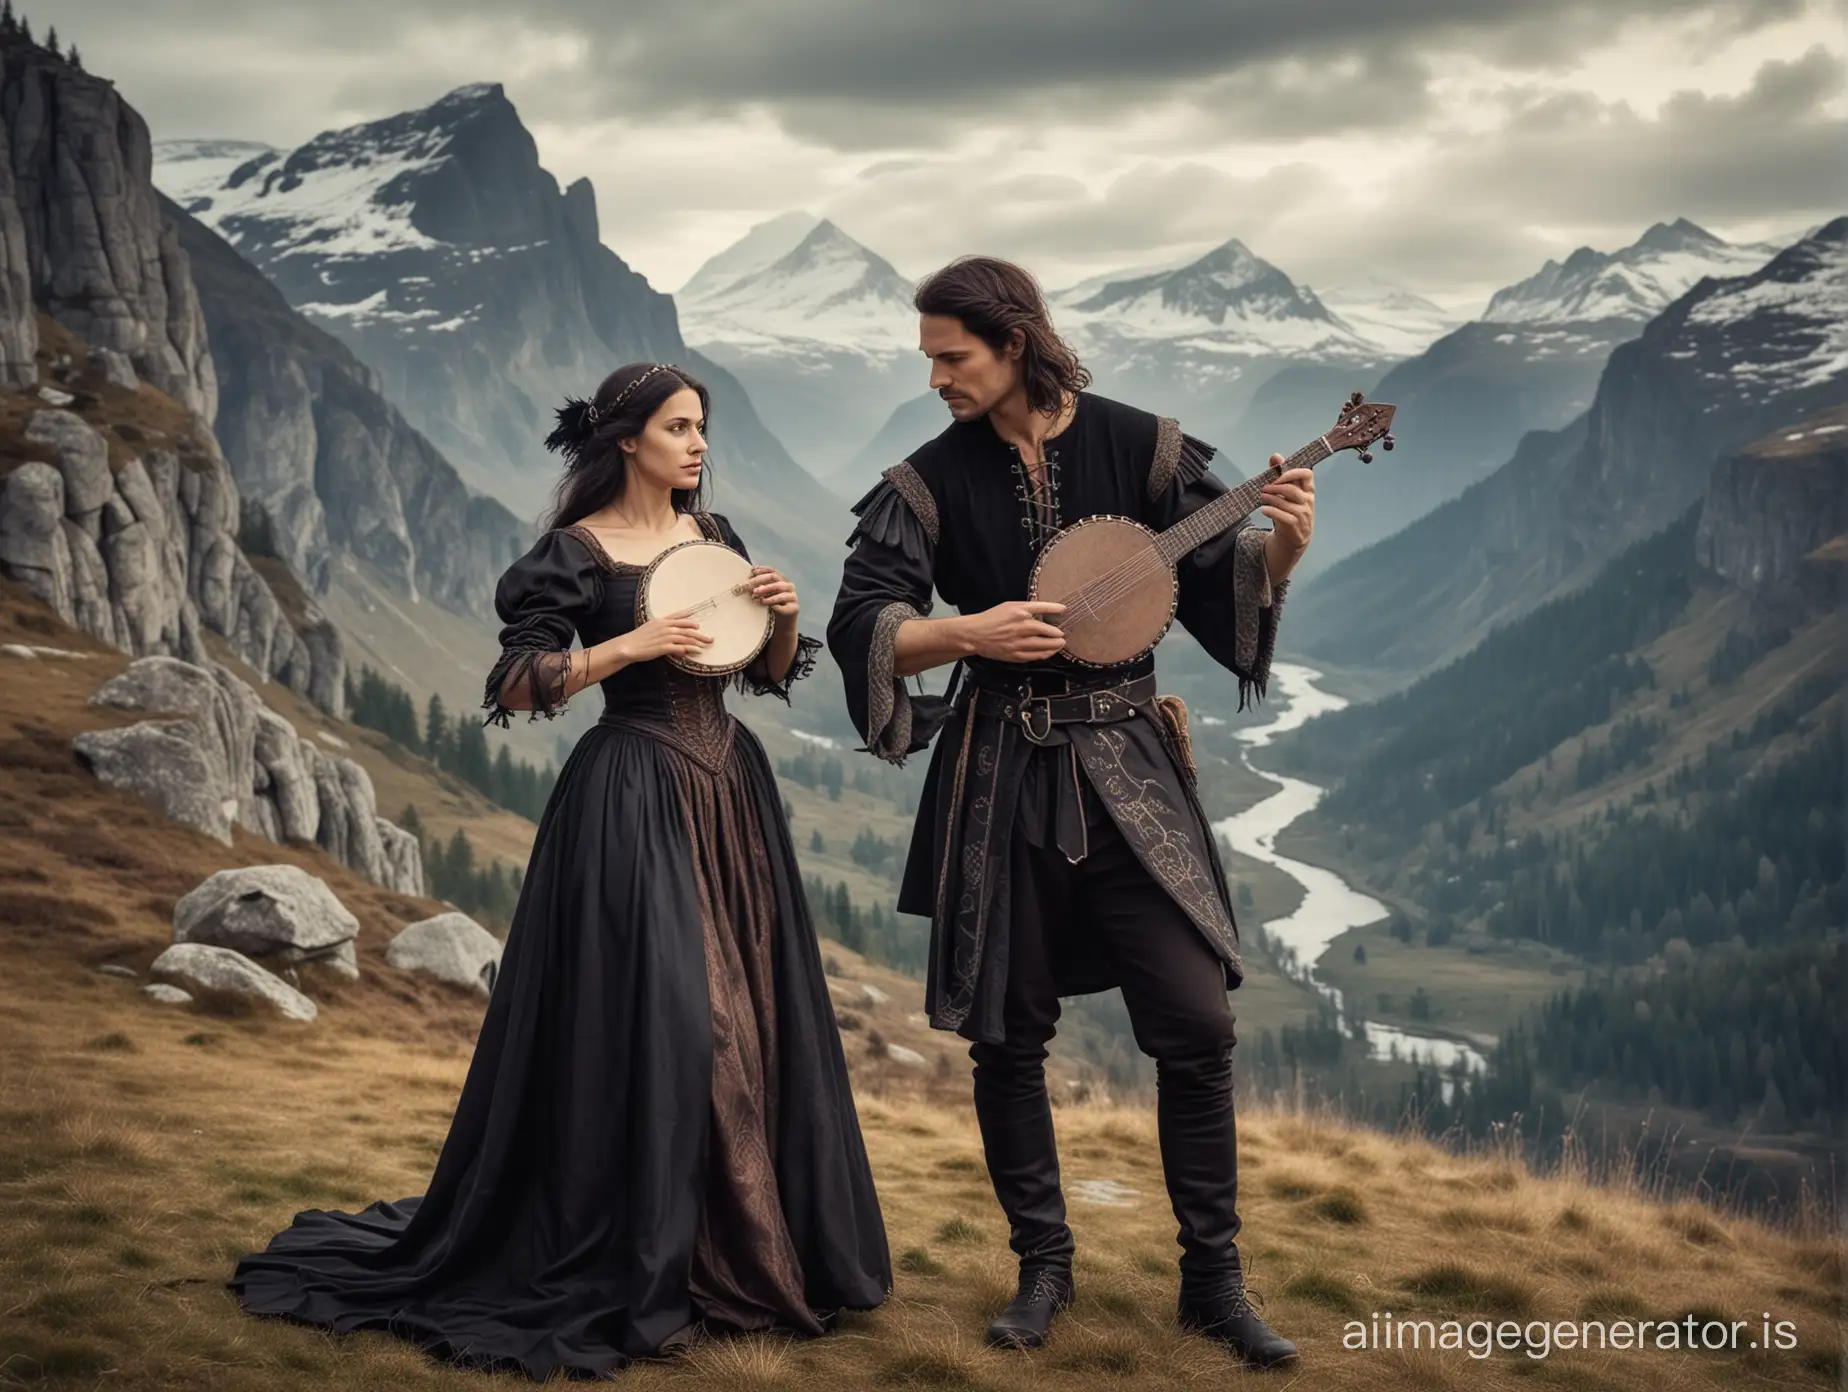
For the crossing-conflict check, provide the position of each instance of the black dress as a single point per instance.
(657, 1130)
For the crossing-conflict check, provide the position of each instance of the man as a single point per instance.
(1059, 846)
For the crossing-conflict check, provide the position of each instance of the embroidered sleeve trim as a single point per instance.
(1257, 606)
(1167, 456)
(888, 706)
(912, 488)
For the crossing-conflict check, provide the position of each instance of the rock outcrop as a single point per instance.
(99, 257)
(451, 947)
(231, 761)
(223, 969)
(271, 914)
(145, 556)
(333, 465)
(1771, 505)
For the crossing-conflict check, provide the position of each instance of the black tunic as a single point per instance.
(961, 516)
(657, 1127)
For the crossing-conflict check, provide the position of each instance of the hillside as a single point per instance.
(144, 1149)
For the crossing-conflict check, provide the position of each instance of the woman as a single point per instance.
(656, 1133)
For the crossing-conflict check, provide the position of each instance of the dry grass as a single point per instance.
(144, 1148)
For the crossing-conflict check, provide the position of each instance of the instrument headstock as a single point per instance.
(1358, 424)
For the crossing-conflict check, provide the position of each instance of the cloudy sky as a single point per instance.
(1447, 145)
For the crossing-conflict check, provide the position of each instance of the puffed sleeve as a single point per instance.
(541, 601)
(755, 679)
(1227, 600)
(887, 580)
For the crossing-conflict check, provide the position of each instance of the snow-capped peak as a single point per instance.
(1399, 320)
(799, 279)
(763, 246)
(1782, 329)
(1229, 303)
(193, 172)
(1635, 283)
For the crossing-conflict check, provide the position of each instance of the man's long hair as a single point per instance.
(993, 298)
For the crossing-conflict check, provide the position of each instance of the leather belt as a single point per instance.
(1038, 714)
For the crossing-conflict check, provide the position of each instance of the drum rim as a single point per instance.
(683, 663)
(1174, 579)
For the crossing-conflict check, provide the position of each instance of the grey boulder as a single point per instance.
(221, 969)
(274, 912)
(451, 947)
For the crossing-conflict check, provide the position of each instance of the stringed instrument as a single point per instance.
(1116, 577)
(712, 583)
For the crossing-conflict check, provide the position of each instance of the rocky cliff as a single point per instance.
(96, 253)
(116, 505)
(333, 465)
(1771, 506)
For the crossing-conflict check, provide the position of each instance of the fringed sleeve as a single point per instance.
(755, 679)
(1227, 600)
(887, 580)
(540, 600)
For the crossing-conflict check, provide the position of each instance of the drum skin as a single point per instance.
(700, 575)
(1123, 620)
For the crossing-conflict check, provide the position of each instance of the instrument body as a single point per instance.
(713, 582)
(1104, 635)
(1116, 577)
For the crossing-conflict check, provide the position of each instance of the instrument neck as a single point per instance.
(1232, 507)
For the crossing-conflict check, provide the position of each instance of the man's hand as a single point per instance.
(1289, 502)
(1016, 631)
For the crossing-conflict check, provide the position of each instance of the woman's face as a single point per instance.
(671, 450)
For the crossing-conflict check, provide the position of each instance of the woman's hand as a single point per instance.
(674, 635)
(770, 589)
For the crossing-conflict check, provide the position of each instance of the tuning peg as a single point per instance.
(1366, 457)
(1387, 443)
(1355, 400)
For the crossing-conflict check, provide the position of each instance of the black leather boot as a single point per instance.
(1043, 1293)
(1226, 1317)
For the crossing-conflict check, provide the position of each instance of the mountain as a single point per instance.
(1403, 324)
(118, 509)
(336, 469)
(434, 246)
(919, 419)
(1197, 341)
(1531, 363)
(1727, 363)
(818, 328)
(1636, 283)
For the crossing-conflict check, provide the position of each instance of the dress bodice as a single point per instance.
(685, 708)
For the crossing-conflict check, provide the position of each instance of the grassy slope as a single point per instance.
(143, 1148)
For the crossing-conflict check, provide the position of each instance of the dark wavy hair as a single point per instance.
(589, 435)
(996, 299)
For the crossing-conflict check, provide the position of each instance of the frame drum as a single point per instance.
(712, 581)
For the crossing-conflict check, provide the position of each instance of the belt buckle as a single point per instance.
(1027, 705)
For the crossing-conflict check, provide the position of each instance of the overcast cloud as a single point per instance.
(1450, 145)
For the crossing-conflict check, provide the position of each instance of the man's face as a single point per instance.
(970, 376)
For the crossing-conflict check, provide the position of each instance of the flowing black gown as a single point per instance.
(656, 1131)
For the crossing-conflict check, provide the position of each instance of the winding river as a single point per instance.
(1330, 905)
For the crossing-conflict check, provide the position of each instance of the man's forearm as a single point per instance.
(921, 644)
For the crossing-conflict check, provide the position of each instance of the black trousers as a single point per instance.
(1174, 986)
